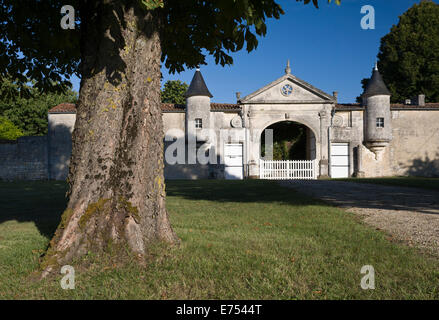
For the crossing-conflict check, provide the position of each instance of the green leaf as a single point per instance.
(152, 4)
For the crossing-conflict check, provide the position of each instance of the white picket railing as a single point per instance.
(288, 169)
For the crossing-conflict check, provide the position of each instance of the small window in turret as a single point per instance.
(198, 123)
(380, 122)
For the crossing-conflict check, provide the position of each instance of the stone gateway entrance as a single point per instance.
(293, 100)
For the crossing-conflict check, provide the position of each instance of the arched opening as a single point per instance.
(291, 141)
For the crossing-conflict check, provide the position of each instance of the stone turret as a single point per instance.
(197, 106)
(378, 120)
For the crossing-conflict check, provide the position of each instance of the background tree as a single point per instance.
(409, 54)
(173, 92)
(364, 83)
(28, 112)
(117, 192)
(9, 131)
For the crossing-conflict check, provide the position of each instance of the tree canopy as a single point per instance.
(409, 54)
(34, 46)
(173, 92)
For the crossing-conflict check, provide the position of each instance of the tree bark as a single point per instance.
(117, 190)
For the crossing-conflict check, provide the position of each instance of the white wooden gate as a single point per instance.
(288, 169)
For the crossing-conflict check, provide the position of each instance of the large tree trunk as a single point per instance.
(117, 190)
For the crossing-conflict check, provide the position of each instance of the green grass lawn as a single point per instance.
(239, 240)
(414, 182)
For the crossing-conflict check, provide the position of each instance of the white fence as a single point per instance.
(288, 169)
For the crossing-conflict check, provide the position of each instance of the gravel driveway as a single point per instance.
(408, 214)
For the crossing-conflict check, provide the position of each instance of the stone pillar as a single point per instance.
(254, 151)
(357, 161)
(324, 156)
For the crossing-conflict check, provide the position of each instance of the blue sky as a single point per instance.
(327, 48)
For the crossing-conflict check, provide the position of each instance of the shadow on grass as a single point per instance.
(40, 202)
(244, 191)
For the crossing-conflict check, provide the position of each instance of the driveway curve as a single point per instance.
(407, 214)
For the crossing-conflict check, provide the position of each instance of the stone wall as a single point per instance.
(174, 127)
(186, 171)
(24, 159)
(376, 167)
(414, 149)
(39, 158)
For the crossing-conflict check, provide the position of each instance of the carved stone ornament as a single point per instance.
(337, 121)
(236, 122)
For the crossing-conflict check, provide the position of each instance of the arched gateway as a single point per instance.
(288, 151)
(290, 141)
(289, 99)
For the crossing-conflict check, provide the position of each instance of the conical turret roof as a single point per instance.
(376, 85)
(198, 86)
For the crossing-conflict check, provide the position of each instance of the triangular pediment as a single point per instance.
(288, 89)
